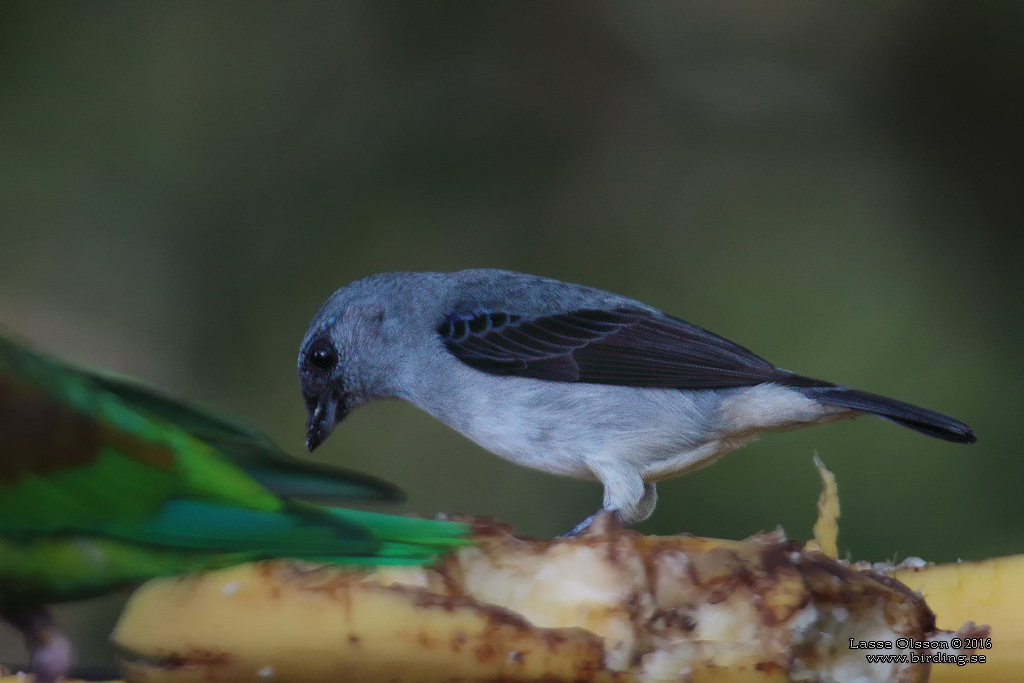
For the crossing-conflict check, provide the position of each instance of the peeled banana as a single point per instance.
(613, 606)
(990, 592)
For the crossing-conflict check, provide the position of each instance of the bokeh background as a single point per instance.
(836, 186)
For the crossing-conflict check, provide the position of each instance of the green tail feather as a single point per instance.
(312, 481)
(413, 530)
(220, 528)
(300, 530)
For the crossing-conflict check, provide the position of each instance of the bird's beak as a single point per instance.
(329, 411)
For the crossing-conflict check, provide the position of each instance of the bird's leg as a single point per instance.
(51, 653)
(628, 499)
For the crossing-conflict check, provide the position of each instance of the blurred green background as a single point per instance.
(835, 186)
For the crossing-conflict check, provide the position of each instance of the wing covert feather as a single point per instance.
(623, 347)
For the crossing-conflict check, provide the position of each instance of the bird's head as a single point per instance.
(348, 357)
(322, 380)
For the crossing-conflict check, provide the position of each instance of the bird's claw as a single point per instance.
(601, 522)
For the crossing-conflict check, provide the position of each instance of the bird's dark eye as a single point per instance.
(322, 355)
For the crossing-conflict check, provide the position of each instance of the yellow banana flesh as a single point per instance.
(614, 606)
(617, 606)
(989, 592)
(286, 622)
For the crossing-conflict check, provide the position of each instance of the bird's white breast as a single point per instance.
(564, 428)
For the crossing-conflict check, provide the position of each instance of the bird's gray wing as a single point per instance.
(625, 347)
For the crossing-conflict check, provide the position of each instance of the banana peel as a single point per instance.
(826, 528)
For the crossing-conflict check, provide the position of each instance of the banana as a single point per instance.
(610, 607)
(990, 592)
(615, 606)
(277, 621)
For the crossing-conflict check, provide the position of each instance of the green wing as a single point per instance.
(123, 483)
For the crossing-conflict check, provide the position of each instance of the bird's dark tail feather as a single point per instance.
(919, 419)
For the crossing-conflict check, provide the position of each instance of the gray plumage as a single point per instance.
(564, 378)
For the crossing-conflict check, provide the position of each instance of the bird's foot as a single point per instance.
(51, 653)
(601, 522)
(579, 528)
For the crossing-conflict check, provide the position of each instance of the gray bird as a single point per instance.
(565, 378)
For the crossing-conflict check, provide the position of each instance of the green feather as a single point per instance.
(104, 481)
(251, 450)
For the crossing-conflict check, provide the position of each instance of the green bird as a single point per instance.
(105, 482)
